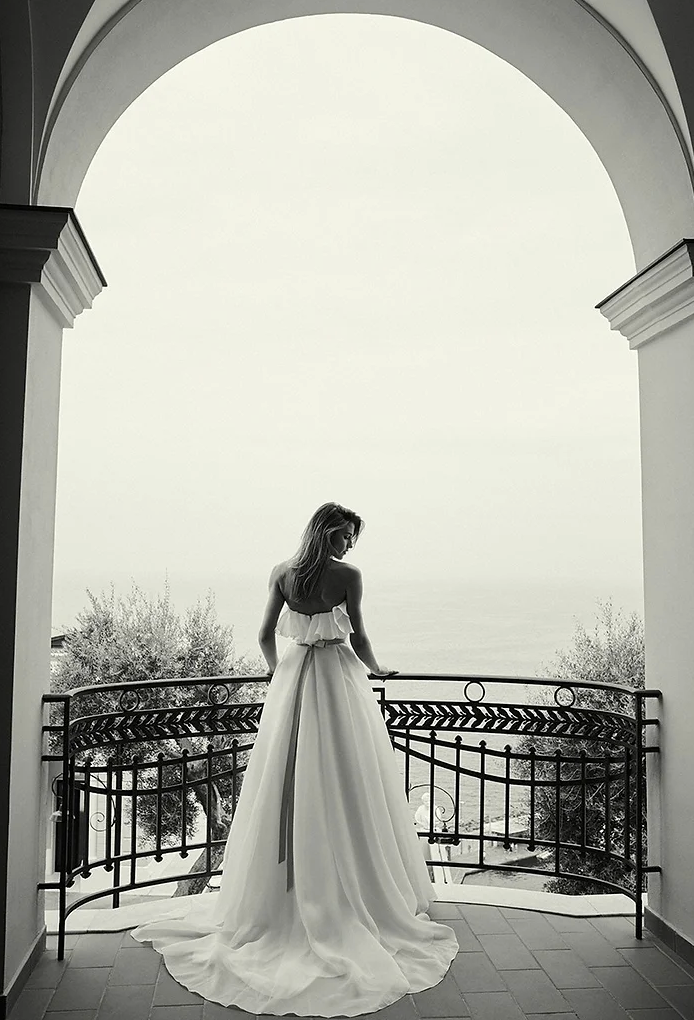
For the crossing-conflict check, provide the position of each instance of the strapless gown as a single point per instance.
(322, 909)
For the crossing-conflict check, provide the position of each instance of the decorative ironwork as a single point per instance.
(129, 700)
(218, 694)
(530, 795)
(163, 724)
(536, 720)
(565, 697)
(470, 685)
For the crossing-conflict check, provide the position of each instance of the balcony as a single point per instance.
(513, 777)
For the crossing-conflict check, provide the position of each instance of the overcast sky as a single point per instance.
(349, 258)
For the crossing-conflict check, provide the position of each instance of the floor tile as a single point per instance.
(594, 950)
(401, 1009)
(168, 992)
(440, 910)
(126, 1002)
(443, 1000)
(47, 972)
(485, 920)
(619, 932)
(628, 987)
(507, 951)
(52, 942)
(31, 1004)
(96, 950)
(551, 1016)
(656, 967)
(72, 1014)
(493, 1006)
(213, 1011)
(562, 923)
(467, 940)
(130, 943)
(594, 1004)
(537, 933)
(681, 997)
(667, 1013)
(176, 1013)
(133, 967)
(672, 955)
(80, 988)
(566, 969)
(534, 992)
(473, 972)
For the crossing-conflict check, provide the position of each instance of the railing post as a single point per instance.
(118, 828)
(531, 844)
(84, 839)
(133, 821)
(64, 823)
(557, 813)
(456, 829)
(483, 747)
(584, 804)
(507, 799)
(184, 802)
(209, 808)
(157, 819)
(638, 849)
(432, 795)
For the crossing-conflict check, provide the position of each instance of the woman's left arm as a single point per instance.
(266, 635)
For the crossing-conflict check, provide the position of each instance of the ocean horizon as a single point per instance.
(506, 627)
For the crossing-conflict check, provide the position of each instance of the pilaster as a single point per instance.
(48, 275)
(655, 312)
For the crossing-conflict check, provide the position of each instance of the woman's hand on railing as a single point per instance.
(383, 674)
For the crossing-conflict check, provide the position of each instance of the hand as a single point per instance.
(383, 674)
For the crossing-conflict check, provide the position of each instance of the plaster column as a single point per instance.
(655, 312)
(48, 275)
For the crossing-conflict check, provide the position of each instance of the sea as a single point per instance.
(493, 627)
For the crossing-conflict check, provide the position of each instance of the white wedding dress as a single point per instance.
(323, 900)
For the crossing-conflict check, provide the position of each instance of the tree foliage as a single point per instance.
(612, 653)
(135, 639)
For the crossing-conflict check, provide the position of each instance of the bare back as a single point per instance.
(330, 591)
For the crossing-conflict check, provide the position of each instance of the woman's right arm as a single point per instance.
(359, 638)
(266, 636)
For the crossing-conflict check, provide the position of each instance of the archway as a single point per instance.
(586, 69)
(594, 75)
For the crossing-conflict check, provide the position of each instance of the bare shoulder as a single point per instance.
(347, 571)
(278, 573)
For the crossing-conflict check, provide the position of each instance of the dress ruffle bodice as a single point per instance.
(317, 629)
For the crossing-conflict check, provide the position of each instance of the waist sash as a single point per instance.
(286, 837)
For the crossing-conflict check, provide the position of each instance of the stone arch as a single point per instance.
(568, 51)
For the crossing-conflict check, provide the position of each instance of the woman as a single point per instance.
(322, 905)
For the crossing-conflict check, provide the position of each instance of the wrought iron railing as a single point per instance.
(569, 793)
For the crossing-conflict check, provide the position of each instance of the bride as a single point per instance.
(323, 899)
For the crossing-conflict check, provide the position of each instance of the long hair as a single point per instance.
(315, 549)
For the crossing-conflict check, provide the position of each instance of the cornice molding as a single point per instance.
(45, 246)
(657, 299)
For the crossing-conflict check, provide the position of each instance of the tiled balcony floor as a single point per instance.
(513, 964)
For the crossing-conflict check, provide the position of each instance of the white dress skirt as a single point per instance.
(322, 909)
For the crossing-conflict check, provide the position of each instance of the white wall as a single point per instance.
(666, 381)
(32, 646)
